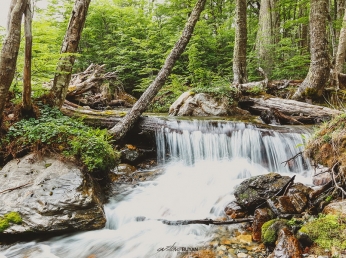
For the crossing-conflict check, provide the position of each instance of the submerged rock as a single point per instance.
(256, 190)
(50, 196)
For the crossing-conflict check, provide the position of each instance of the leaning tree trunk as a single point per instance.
(69, 47)
(26, 97)
(340, 54)
(121, 128)
(10, 48)
(239, 56)
(319, 69)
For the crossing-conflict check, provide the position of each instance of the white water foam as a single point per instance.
(190, 188)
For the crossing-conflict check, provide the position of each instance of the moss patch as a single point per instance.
(327, 232)
(11, 217)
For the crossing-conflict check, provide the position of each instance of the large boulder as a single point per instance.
(202, 104)
(256, 190)
(50, 196)
(336, 208)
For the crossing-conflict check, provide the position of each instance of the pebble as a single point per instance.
(242, 255)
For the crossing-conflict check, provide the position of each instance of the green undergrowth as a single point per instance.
(327, 231)
(57, 133)
(11, 217)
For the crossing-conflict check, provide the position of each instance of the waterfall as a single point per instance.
(193, 141)
(203, 161)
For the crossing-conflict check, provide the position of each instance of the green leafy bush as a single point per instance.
(64, 135)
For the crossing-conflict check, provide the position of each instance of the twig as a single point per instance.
(14, 188)
(335, 183)
(294, 157)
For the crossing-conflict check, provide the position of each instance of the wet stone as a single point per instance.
(234, 211)
(260, 217)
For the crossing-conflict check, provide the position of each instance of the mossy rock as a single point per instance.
(255, 190)
(270, 230)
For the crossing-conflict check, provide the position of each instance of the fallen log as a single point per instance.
(303, 112)
(107, 118)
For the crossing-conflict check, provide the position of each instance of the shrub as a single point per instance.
(71, 137)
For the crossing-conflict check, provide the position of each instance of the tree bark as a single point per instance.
(69, 47)
(266, 34)
(26, 96)
(303, 112)
(121, 128)
(10, 48)
(340, 55)
(319, 69)
(239, 57)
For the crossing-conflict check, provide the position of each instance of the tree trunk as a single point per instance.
(340, 55)
(265, 35)
(69, 47)
(26, 96)
(120, 129)
(319, 69)
(10, 48)
(239, 57)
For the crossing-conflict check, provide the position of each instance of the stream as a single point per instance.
(202, 161)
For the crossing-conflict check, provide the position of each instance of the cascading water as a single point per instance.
(206, 161)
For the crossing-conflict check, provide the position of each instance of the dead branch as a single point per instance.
(293, 158)
(205, 221)
(14, 188)
(335, 183)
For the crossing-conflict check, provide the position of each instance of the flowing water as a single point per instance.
(203, 161)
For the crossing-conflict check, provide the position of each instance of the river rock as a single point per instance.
(287, 245)
(336, 208)
(260, 217)
(234, 211)
(50, 196)
(256, 190)
(281, 205)
(201, 104)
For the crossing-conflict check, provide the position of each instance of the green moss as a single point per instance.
(13, 217)
(3, 224)
(270, 230)
(10, 217)
(327, 231)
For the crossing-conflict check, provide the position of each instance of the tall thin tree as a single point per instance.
(69, 48)
(26, 96)
(10, 49)
(239, 54)
(121, 128)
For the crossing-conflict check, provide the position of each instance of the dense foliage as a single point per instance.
(61, 134)
(134, 38)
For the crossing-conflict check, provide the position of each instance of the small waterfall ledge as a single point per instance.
(196, 140)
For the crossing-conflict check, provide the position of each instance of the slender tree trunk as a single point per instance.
(69, 47)
(319, 69)
(26, 96)
(265, 35)
(239, 56)
(340, 55)
(121, 128)
(10, 48)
